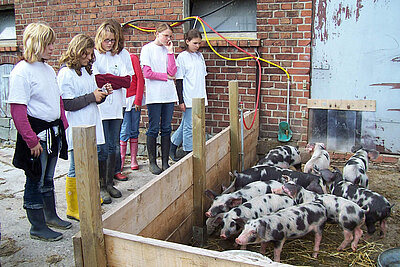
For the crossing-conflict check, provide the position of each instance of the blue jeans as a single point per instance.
(71, 171)
(111, 130)
(35, 190)
(183, 135)
(160, 116)
(130, 125)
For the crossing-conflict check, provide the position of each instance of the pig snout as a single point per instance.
(223, 236)
(208, 214)
(241, 241)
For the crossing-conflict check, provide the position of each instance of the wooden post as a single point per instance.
(199, 171)
(234, 124)
(88, 189)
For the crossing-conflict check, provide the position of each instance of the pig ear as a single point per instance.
(286, 178)
(261, 229)
(373, 154)
(315, 187)
(356, 148)
(310, 147)
(240, 221)
(210, 194)
(236, 202)
(218, 220)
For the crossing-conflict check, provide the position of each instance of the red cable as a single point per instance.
(259, 71)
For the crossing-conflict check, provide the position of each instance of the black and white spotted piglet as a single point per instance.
(289, 223)
(355, 169)
(283, 157)
(378, 206)
(345, 212)
(225, 202)
(233, 220)
(320, 158)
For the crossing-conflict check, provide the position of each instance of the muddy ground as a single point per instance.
(17, 249)
(384, 180)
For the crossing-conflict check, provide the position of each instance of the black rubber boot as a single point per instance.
(39, 229)
(151, 151)
(50, 214)
(165, 145)
(172, 152)
(103, 184)
(114, 192)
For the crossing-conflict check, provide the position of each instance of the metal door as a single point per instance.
(356, 55)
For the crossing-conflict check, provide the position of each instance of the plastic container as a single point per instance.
(389, 258)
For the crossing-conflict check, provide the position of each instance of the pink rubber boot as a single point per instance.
(123, 146)
(134, 149)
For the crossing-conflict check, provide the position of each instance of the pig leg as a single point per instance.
(348, 236)
(317, 242)
(278, 245)
(263, 248)
(357, 235)
(383, 228)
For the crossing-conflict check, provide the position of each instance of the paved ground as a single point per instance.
(16, 247)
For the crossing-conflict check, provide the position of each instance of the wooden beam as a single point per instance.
(199, 170)
(357, 105)
(88, 189)
(234, 124)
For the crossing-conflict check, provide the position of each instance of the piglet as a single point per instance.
(346, 213)
(289, 223)
(225, 202)
(283, 157)
(234, 220)
(378, 206)
(355, 169)
(320, 158)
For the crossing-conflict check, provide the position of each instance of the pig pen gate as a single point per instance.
(152, 226)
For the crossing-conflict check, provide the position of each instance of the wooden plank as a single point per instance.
(77, 243)
(199, 170)
(130, 250)
(217, 148)
(139, 209)
(340, 104)
(183, 234)
(88, 189)
(234, 124)
(171, 218)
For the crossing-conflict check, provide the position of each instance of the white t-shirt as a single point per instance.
(119, 65)
(35, 85)
(155, 56)
(192, 69)
(72, 86)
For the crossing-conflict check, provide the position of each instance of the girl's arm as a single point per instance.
(62, 114)
(179, 90)
(171, 69)
(20, 118)
(79, 102)
(117, 82)
(139, 81)
(148, 73)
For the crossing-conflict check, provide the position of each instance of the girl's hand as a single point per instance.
(36, 150)
(170, 77)
(170, 47)
(109, 88)
(182, 107)
(137, 107)
(99, 95)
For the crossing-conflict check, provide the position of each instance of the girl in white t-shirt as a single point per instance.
(113, 65)
(159, 69)
(190, 83)
(80, 96)
(38, 114)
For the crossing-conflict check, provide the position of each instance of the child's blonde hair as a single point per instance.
(114, 27)
(76, 50)
(37, 36)
(162, 27)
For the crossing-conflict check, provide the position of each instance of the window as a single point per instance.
(8, 34)
(234, 16)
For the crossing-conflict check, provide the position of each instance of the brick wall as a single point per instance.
(283, 32)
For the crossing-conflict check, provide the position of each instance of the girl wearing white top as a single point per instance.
(113, 65)
(190, 83)
(159, 69)
(80, 96)
(38, 114)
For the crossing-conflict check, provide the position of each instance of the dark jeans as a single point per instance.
(111, 130)
(160, 117)
(35, 190)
